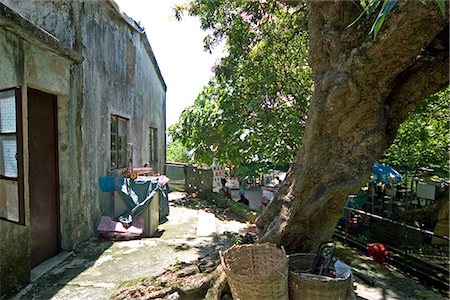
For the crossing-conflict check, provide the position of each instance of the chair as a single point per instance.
(323, 261)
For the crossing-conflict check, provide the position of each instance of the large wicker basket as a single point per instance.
(258, 271)
(301, 262)
(305, 286)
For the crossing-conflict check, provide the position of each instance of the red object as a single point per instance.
(378, 252)
(143, 170)
(352, 223)
(252, 229)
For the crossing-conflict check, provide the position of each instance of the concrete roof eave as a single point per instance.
(14, 22)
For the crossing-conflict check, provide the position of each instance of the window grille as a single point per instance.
(119, 129)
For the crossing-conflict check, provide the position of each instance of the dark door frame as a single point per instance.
(56, 160)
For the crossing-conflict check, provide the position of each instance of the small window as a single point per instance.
(8, 140)
(119, 129)
(152, 144)
(11, 204)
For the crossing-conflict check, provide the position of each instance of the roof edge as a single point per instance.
(153, 59)
(134, 25)
(16, 23)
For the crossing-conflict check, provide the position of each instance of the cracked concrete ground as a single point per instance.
(98, 267)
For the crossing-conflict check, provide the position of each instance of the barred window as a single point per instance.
(119, 129)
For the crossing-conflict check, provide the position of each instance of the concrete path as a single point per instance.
(98, 267)
(253, 195)
(206, 224)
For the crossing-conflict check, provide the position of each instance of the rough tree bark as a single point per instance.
(364, 89)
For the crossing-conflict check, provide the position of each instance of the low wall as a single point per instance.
(198, 180)
(189, 178)
(175, 172)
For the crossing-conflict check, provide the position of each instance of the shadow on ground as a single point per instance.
(389, 282)
(98, 268)
(222, 208)
(51, 283)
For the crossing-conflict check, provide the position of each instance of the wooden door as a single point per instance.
(43, 172)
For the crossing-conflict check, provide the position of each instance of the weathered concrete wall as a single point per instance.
(117, 76)
(14, 245)
(23, 64)
(57, 17)
(15, 257)
(46, 71)
(11, 59)
(153, 110)
(198, 180)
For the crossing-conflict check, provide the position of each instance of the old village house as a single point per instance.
(78, 81)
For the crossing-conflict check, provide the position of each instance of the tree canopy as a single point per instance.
(253, 110)
(368, 77)
(422, 139)
(176, 152)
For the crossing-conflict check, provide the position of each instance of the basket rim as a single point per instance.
(283, 264)
(319, 277)
(223, 254)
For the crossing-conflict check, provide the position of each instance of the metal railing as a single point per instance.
(416, 250)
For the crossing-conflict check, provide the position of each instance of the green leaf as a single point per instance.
(423, 138)
(376, 26)
(357, 19)
(372, 7)
(441, 4)
(368, 9)
(388, 5)
(262, 87)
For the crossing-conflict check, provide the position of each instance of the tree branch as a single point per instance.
(411, 27)
(426, 77)
(335, 46)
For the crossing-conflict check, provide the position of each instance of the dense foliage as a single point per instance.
(252, 113)
(253, 110)
(423, 139)
(176, 152)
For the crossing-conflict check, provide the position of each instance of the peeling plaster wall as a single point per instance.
(56, 16)
(14, 265)
(23, 64)
(117, 76)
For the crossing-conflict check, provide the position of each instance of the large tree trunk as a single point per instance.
(364, 89)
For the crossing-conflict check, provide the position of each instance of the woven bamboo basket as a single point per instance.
(305, 286)
(257, 271)
(301, 262)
